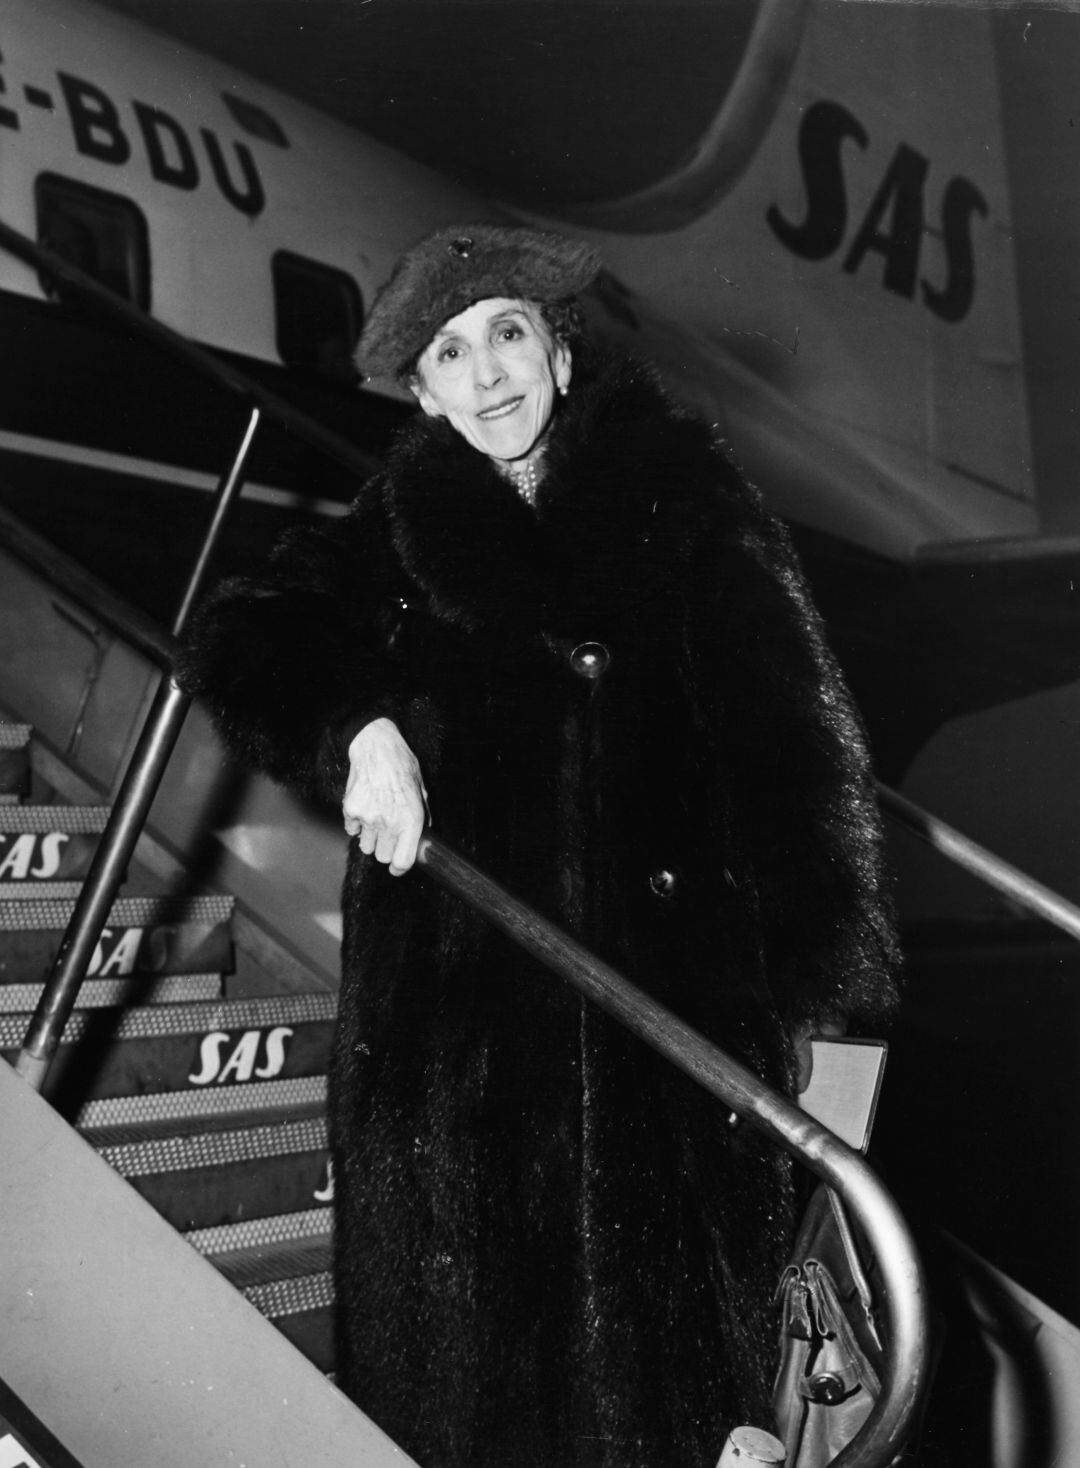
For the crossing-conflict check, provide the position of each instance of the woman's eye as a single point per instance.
(510, 333)
(448, 354)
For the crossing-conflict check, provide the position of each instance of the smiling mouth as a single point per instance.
(501, 410)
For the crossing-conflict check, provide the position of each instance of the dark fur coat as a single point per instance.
(552, 1248)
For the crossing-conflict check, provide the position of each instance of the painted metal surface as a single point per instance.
(127, 1344)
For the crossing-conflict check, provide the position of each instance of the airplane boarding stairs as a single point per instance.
(197, 1098)
(210, 1103)
(204, 1082)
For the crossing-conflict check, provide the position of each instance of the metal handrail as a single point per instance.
(990, 868)
(905, 1370)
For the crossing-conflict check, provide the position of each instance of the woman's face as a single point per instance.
(493, 372)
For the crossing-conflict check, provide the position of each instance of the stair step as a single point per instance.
(213, 1109)
(14, 762)
(303, 1310)
(170, 1047)
(46, 850)
(277, 1238)
(122, 993)
(283, 1266)
(185, 1153)
(222, 1177)
(269, 1263)
(48, 891)
(44, 820)
(292, 1296)
(128, 1119)
(160, 935)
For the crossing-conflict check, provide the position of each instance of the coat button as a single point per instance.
(663, 883)
(590, 659)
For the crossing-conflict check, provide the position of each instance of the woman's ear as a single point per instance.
(563, 366)
(424, 398)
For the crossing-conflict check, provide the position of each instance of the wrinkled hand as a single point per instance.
(385, 801)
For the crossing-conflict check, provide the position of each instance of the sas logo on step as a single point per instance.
(257, 1055)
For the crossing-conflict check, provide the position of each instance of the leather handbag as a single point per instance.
(831, 1345)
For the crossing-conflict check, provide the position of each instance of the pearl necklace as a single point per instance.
(526, 481)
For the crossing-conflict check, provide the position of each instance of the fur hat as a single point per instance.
(453, 268)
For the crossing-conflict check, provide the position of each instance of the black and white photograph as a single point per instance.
(539, 733)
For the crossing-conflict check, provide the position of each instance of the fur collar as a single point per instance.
(620, 456)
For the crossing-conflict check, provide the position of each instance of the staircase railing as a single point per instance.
(905, 1373)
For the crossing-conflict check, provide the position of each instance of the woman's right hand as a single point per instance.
(385, 801)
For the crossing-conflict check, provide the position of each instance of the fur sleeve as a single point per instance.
(803, 779)
(291, 662)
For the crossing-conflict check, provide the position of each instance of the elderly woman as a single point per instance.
(559, 622)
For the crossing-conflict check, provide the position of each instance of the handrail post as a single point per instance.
(227, 494)
(103, 880)
(130, 809)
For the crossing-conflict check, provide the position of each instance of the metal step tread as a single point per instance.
(292, 1296)
(122, 993)
(156, 1131)
(266, 1263)
(157, 1021)
(43, 891)
(74, 820)
(186, 1153)
(126, 912)
(311, 1224)
(124, 1120)
(15, 736)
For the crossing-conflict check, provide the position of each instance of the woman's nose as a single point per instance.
(488, 371)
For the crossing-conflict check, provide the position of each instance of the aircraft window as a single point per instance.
(318, 313)
(102, 233)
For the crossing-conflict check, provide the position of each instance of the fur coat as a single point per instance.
(552, 1248)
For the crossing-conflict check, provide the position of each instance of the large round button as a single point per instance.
(663, 882)
(590, 659)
